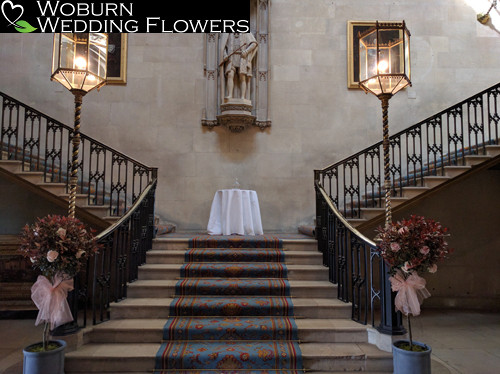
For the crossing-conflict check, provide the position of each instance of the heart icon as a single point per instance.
(12, 12)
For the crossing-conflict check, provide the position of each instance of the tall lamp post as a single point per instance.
(384, 69)
(384, 57)
(79, 63)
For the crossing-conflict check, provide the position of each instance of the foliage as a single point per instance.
(58, 244)
(413, 245)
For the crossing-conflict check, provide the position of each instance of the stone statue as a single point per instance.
(238, 53)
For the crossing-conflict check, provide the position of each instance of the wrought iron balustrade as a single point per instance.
(124, 247)
(106, 177)
(356, 267)
(424, 149)
(357, 182)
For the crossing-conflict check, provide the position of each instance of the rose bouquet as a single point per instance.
(58, 246)
(411, 247)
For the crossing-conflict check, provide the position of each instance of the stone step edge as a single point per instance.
(179, 243)
(298, 302)
(344, 350)
(305, 326)
(168, 252)
(173, 282)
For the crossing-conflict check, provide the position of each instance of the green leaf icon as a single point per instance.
(24, 27)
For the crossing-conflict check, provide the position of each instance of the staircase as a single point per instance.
(441, 150)
(97, 215)
(330, 342)
(428, 184)
(35, 154)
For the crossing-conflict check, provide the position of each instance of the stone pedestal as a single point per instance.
(236, 114)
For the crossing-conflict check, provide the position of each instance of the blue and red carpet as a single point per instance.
(232, 312)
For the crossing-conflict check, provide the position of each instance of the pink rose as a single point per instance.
(79, 253)
(424, 250)
(395, 247)
(52, 255)
(433, 268)
(61, 232)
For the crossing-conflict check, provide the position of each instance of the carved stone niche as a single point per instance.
(236, 73)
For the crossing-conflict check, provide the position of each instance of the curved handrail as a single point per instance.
(341, 218)
(355, 265)
(124, 246)
(129, 213)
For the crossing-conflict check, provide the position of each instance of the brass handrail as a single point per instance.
(341, 218)
(129, 213)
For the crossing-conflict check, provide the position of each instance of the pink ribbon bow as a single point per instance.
(411, 292)
(50, 299)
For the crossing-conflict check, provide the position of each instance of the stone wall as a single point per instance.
(469, 208)
(316, 120)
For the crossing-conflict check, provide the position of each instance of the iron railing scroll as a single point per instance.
(347, 187)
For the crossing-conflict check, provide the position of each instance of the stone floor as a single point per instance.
(462, 342)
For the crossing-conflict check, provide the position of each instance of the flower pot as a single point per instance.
(410, 362)
(45, 362)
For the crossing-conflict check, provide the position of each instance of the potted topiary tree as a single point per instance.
(411, 247)
(58, 246)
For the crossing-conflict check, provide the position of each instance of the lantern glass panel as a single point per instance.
(384, 59)
(80, 60)
(368, 55)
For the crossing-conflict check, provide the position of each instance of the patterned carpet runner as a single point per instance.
(232, 312)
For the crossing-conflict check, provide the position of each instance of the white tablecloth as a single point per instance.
(235, 212)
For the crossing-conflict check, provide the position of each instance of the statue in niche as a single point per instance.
(239, 51)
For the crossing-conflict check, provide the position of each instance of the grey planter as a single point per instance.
(48, 362)
(407, 362)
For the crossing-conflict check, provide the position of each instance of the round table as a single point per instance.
(235, 211)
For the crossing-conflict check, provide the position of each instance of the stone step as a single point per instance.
(157, 308)
(97, 210)
(345, 357)
(166, 243)
(455, 171)
(13, 166)
(166, 288)
(142, 330)
(493, 150)
(172, 271)
(139, 358)
(370, 213)
(471, 160)
(105, 358)
(151, 331)
(434, 181)
(54, 188)
(411, 192)
(355, 222)
(34, 177)
(177, 256)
